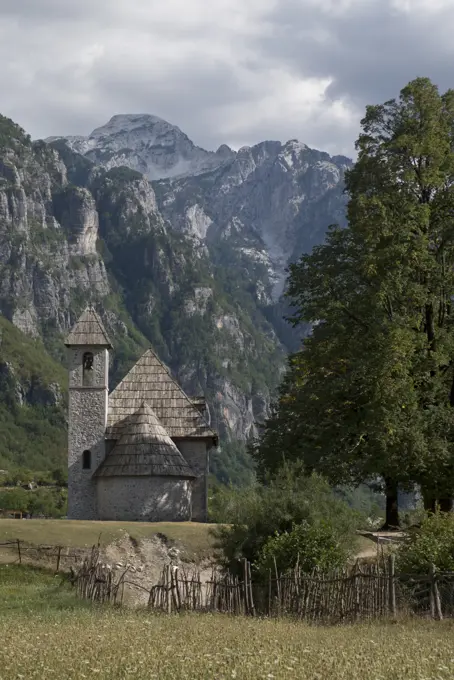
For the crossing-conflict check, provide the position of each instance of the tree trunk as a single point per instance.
(430, 329)
(392, 505)
(446, 504)
(430, 504)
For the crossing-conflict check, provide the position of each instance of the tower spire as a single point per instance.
(88, 331)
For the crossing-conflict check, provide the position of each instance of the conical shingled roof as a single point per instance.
(88, 331)
(144, 449)
(150, 381)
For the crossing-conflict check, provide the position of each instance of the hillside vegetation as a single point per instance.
(32, 403)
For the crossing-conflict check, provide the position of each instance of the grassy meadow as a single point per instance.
(195, 539)
(47, 633)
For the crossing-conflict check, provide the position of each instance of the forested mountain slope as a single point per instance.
(192, 262)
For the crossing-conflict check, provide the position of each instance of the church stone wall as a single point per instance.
(144, 499)
(86, 431)
(86, 428)
(195, 452)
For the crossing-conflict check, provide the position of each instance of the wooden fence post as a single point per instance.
(177, 589)
(392, 585)
(169, 589)
(357, 599)
(251, 594)
(19, 551)
(246, 587)
(435, 602)
(58, 558)
(278, 587)
(269, 592)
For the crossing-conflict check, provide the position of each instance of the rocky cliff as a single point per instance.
(148, 144)
(192, 262)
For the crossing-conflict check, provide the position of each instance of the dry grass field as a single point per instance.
(194, 539)
(46, 633)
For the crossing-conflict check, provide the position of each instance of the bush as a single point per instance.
(431, 543)
(256, 514)
(14, 499)
(49, 502)
(307, 545)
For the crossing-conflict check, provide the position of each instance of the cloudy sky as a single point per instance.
(225, 71)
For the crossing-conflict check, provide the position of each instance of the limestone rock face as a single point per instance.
(79, 218)
(45, 225)
(147, 144)
(33, 392)
(270, 203)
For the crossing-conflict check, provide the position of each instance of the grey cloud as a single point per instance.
(369, 50)
(189, 98)
(36, 11)
(190, 85)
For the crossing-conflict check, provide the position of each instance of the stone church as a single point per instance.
(139, 453)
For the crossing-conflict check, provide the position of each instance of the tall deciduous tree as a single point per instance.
(372, 391)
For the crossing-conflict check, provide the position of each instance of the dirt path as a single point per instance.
(145, 560)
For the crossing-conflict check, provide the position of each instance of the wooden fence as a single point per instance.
(56, 557)
(357, 593)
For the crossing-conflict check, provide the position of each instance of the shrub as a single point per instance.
(256, 514)
(307, 545)
(14, 499)
(43, 501)
(431, 543)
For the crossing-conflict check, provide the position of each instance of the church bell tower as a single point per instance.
(88, 361)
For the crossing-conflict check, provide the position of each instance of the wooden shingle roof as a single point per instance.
(150, 381)
(144, 449)
(88, 331)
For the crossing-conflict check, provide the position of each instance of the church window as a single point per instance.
(87, 364)
(88, 361)
(86, 460)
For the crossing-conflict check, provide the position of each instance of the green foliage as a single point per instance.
(413, 517)
(19, 476)
(255, 514)
(26, 589)
(370, 394)
(232, 464)
(32, 434)
(42, 501)
(431, 543)
(129, 345)
(369, 503)
(11, 133)
(123, 174)
(28, 357)
(307, 545)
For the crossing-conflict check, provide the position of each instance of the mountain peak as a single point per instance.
(295, 145)
(148, 144)
(225, 151)
(123, 122)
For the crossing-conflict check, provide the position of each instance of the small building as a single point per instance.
(140, 453)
